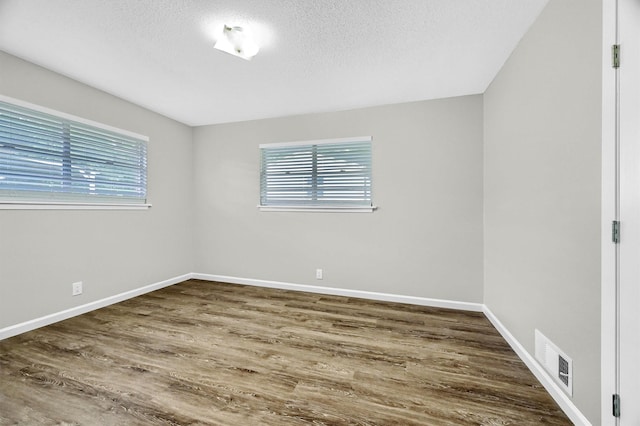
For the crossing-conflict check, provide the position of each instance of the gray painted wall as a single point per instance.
(424, 240)
(43, 252)
(542, 190)
(537, 253)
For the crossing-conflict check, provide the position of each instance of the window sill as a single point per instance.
(48, 205)
(318, 209)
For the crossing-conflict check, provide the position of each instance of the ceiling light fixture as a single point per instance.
(237, 41)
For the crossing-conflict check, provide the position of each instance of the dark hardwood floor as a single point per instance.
(219, 354)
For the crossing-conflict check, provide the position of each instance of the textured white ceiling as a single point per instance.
(316, 55)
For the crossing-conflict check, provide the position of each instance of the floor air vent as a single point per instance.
(563, 370)
(556, 362)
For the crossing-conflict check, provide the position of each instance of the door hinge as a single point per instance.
(615, 231)
(615, 55)
(616, 405)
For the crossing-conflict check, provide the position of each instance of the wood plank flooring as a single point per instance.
(202, 353)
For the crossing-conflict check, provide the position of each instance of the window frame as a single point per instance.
(324, 207)
(67, 200)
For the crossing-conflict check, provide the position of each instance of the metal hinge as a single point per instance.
(615, 55)
(615, 231)
(616, 405)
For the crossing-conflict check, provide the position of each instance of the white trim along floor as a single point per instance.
(554, 390)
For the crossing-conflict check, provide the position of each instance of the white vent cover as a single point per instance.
(556, 362)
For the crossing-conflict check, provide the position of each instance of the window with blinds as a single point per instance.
(46, 157)
(317, 175)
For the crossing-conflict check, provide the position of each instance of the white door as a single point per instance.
(629, 212)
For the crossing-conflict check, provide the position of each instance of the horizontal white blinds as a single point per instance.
(44, 157)
(316, 175)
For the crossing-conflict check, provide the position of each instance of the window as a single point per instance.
(51, 158)
(322, 175)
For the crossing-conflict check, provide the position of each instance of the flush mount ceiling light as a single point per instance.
(237, 41)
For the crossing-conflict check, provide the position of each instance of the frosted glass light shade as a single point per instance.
(237, 41)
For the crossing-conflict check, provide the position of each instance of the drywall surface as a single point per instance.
(43, 252)
(424, 240)
(542, 190)
(315, 55)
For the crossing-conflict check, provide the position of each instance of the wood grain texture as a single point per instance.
(202, 353)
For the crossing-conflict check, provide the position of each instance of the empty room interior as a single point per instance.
(459, 283)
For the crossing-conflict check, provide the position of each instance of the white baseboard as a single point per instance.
(79, 310)
(547, 381)
(386, 297)
(538, 371)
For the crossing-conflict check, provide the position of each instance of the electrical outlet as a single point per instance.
(318, 274)
(76, 288)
